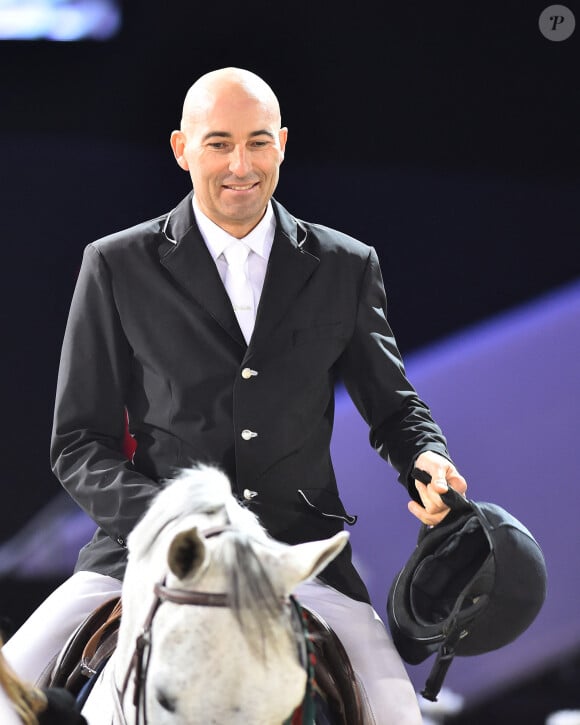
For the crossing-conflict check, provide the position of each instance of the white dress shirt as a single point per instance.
(260, 241)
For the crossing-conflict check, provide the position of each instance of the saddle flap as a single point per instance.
(333, 672)
(93, 641)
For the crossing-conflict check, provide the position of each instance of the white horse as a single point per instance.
(210, 590)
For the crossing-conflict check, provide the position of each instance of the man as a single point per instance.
(153, 332)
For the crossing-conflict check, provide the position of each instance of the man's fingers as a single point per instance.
(439, 485)
(431, 486)
(430, 494)
(458, 483)
(424, 516)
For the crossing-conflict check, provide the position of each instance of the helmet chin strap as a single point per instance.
(443, 660)
(460, 624)
(457, 630)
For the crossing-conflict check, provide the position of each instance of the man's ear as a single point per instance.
(178, 146)
(283, 137)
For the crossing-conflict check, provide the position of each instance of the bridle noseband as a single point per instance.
(185, 596)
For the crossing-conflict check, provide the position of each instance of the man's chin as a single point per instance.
(245, 211)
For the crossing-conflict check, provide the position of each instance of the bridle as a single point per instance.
(140, 660)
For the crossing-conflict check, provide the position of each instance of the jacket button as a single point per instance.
(248, 373)
(249, 494)
(247, 434)
(121, 541)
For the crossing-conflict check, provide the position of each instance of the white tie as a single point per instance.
(238, 286)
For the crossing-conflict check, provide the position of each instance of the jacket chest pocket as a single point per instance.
(327, 331)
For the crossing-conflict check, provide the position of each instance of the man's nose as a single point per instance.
(239, 161)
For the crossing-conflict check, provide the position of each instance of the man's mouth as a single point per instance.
(240, 187)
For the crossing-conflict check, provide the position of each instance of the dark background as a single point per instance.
(445, 134)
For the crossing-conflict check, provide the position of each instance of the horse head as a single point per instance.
(211, 590)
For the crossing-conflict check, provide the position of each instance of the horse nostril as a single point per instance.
(167, 703)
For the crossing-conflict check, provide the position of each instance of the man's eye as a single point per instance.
(217, 145)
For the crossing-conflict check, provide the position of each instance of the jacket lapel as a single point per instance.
(187, 259)
(289, 268)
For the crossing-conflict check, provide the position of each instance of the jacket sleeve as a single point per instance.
(371, 367)
(87, 453)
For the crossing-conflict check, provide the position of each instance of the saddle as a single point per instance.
(87, 650)
(95, 640)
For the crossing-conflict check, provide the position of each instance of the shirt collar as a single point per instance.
(260, 239)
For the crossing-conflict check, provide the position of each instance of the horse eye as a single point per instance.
(166, 702)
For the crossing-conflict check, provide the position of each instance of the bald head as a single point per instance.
(227, 83)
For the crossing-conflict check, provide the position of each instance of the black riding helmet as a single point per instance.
(473, 584)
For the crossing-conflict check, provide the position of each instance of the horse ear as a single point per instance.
(301, 562)
(186, 553)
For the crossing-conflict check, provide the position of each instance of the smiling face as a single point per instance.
(232, 144)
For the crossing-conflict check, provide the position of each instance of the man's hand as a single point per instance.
(443, 474)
